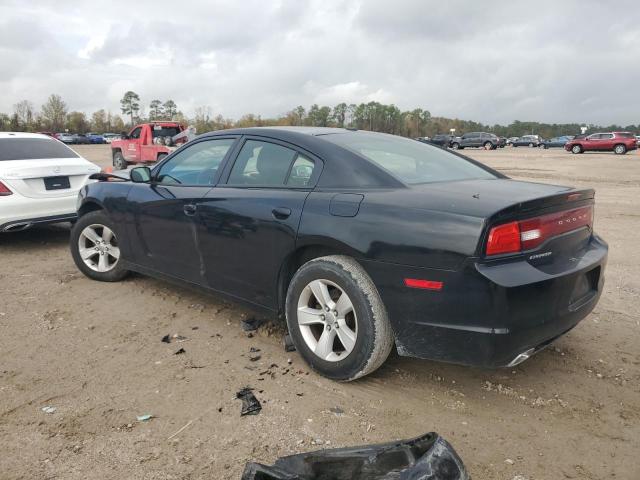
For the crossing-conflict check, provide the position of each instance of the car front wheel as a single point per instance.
(620, 149)
(119, 162)
(336, 318)
(455, 146)
(95, 248)
(488, 146)
(576, 149)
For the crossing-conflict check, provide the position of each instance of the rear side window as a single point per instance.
(33, 149)
(412, 162)
(160, 131)
(626, 135)
(262, 164)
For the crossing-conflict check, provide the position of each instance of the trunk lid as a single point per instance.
(27, 177)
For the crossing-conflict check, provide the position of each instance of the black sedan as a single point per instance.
(361, 240)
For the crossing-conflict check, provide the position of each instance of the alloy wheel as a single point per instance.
(619, 149)
(327, 320)
(98, 248)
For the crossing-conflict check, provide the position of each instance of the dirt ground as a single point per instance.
(94, 352)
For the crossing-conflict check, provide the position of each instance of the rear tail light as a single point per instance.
(527, 234)
(4, 190)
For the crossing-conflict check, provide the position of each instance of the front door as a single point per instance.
(164, 230)
(249, 224)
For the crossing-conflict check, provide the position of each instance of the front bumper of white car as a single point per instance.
(18, 212)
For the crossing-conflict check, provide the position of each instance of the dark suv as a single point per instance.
(488, 141)
(442, 140)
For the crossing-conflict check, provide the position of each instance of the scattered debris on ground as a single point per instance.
(250, 404)
(173, 338)
(49, 409)
(251, 324)
(145, 417)
(428, 457)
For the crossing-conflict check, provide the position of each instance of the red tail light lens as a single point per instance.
(504, 239)
(4, 190)
(527, 234)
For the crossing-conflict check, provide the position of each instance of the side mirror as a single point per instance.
(124, 136)
(140, 175)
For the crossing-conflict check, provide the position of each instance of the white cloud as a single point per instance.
(487, 61)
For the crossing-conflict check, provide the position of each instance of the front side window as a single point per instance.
(412, 162)
(262, 163)
(196, 164)
(136, 133)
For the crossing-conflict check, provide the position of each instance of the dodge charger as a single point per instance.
(362, 241)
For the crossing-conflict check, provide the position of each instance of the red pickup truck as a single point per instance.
(147, 142)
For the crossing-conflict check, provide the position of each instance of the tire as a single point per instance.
(119, 162)
(576, 149)
(619, 149)
(455, 145)
(105, 264)
(488, 146)
(364, 322)
(531, 145)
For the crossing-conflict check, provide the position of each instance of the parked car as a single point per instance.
(442, 140)
(39, 180)
(148, 142)
(556, 142)
(81, 139)
(510, 140)
(618, 142)
(50, 134)
(96, 138)
(362, 240)
(638, 140)
(65, 137)
(527, 141)
(109, 137)
(488, 141)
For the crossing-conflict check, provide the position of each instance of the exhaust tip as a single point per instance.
(522, 357)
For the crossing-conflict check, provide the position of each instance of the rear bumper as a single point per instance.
(18, 212)
(488, 315)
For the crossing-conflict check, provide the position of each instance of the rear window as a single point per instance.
(412, 162)
(160, 131)
(33, 149)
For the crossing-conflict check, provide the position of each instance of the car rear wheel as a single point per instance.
(488, 146)
(576, 149)
(455, 145)
(119, 162)
(336, 318)
(95, 248)
(531, 145)
(620, 149)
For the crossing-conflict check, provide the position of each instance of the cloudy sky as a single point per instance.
(494, 62)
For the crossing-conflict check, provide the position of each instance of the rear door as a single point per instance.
(163, 227)
(607, 142)
(250, 220)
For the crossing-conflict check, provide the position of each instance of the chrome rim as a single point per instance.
(98, 248)
(576, 149)
(327, 320)
(487, 146)
(619, 149)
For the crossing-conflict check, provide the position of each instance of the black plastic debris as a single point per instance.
(173, 338)
(428, 457)
(180, 352)
(251, 324)
(288, 344)
(250, 404)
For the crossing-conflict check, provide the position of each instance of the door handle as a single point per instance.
(189, 209)
(281, 213)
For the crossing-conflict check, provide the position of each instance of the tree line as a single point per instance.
(55, 116)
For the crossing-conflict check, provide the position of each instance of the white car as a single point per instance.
(39, 180)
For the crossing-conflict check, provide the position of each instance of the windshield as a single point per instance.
(412, 162)
(33, 149)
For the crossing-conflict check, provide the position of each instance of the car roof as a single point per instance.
(23, 135)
